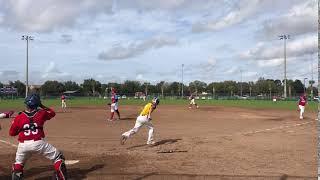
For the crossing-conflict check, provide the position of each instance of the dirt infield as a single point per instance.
(206, 143)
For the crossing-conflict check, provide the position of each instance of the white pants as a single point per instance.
(192, 102)
(301, 111)
(114, 107)
(63, 104)
(27, 148)
(141, 120)
(2, 115)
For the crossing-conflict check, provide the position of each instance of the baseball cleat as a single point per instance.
(123, 139)
(151, 143)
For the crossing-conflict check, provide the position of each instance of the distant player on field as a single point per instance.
(114, 104)
(63, 102)
(8, 114)
(302, 103)
(192, 101)
(29, 126)
(143, 119)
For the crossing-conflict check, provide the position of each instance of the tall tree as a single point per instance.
(131, 87)
(52, 88)
(21, 87)
(197, 86)
(91, 87)
(71, 86)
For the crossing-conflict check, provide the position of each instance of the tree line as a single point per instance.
(91, 87)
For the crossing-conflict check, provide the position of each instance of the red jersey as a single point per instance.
(22, 124)
(63, 97)
(302, 100)
(114, 98)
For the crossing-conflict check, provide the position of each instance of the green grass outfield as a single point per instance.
(17, 104)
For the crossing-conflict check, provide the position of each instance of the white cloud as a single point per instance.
(233, 17)
(270, 63)
(232, 70)
(47, 15)
(250, 74)
(300, 19)
(9, 75)
(270, 54)
(139, 77)
(52, 72)
(136, 48)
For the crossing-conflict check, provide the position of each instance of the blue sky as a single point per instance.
(148, 40)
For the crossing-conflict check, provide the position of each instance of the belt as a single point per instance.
(36, 139)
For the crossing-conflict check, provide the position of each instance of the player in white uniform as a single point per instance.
(192, 102)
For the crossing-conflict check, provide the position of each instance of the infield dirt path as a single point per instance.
(206, 143)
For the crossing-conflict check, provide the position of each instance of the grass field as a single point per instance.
(76, 102)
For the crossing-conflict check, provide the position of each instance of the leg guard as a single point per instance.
(17, 172)
(60, 168)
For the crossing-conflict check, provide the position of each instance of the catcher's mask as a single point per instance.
(33, 101)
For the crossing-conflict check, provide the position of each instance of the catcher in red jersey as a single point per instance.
(29, 127)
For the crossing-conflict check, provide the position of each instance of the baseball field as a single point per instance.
(223, 139)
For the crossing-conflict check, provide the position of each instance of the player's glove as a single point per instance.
(109, 104)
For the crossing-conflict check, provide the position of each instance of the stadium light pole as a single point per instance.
(312, 80)
(182, 80)
(27, 39)
(304, 85)
(241, 83)
(284, 38)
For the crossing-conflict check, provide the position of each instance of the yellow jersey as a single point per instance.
(146, 110)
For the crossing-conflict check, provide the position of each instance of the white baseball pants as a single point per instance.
(63, 104)
(27, 148)
(192, 102)
(141, 121)
(114, 107)
(2, 115)
(301, 111)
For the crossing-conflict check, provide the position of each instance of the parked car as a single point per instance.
(124, 97)
(244, 97)
(203, 97)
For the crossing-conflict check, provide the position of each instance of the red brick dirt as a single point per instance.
(205, 143)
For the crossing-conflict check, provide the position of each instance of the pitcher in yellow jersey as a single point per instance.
(143, 119)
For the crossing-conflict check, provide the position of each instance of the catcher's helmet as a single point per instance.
(33, 101)
(155, 100)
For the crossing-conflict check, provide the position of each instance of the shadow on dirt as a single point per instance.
(158, 143)
(145, 176)
(75, 173)
(166, 141)
(128, 119)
